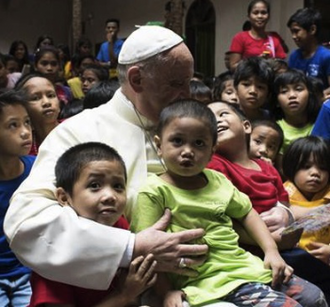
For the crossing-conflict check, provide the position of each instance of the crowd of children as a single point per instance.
(227, 151)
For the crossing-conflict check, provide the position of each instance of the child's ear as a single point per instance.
(247, 127)
(158, 146)
(62, 197)
(313, 29)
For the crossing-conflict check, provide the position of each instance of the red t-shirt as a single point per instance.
(52, 292)
(263, 187)
(244, 44)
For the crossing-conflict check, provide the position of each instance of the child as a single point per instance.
(310, 57)
(185, 139)
(47, 62)
(266, 140)
(307, 166)
(91, 180)
(253, 80)
(224, 89)
(15, 165)
(91, 75)
(298, 107)
(42, 104)
(200, 91)
(7, 80)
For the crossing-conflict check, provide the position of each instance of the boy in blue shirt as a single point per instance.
(15, 165)
(310, 57)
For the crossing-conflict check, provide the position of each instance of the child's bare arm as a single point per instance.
(257, 229)
(141, 276)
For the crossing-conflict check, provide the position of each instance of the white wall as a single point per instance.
(27, 19)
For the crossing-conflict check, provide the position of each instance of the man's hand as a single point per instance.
(275, 218)
(169, 248)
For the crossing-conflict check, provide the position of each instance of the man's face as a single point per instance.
(167, 83)
(112, 27)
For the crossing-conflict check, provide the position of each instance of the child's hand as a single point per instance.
(269, 161)
(141, 276)
(174, 298)
(320, 251)
(280, 270)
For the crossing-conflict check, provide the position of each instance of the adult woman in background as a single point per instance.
(256, 41)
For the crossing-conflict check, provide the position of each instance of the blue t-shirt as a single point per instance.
(9, 265)
(317, 66)
(103, 54)
(322, 124)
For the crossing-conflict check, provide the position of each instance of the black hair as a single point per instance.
(299, 152)
(254, 67)
(21, 82)
(293, 76)
(40, 52)
(69, 166)
(199, 90)
(306, 18)
(220, 84)
(276, 64)
(70, 109)
(270, 124)
(188, 108)
(101, 72)
(12, 97)
(100, 93)
(82, 42)
(66, 51)
(254, 2)
(318, 88)
(42, 38)
(113, 20)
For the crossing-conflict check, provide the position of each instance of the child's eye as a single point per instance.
(13, 125)
(283, 90)
(94, 185)
(28, 122)
(229, 92)
(199, 143)
(257, 141)
(34, 98)
(51, 95)
(224, 113)
(177, 141)
(119, 187)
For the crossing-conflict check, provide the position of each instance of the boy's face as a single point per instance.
(252, 93)
(293, 99)
(300, 35)
(264, 142)
(99, 193)
(186, 146)
(311, 178)
(231, 128)
(15, 131)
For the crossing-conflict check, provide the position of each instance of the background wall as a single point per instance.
(26, 20)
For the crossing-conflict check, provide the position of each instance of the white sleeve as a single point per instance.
(53, 240)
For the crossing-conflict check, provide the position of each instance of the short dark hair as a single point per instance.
(270, 124)
(12, 97)
(101, 72)
(100, 93)
(199, 88)
(188, 108)
(306, 18)
(299, 152)
(113, 20)
(293, 76)
(48, 49)
(254, 67)
(69, 166)
(254, 2)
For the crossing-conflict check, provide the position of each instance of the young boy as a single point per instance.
(261, 182)
(91, 180)
(310, 57)
(15, 165)
(266, 140)
(198, 197)
(253, 80)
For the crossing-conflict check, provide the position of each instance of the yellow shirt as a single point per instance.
(298, 199)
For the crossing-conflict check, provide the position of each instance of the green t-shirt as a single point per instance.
(292, 133)
(228, 266)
